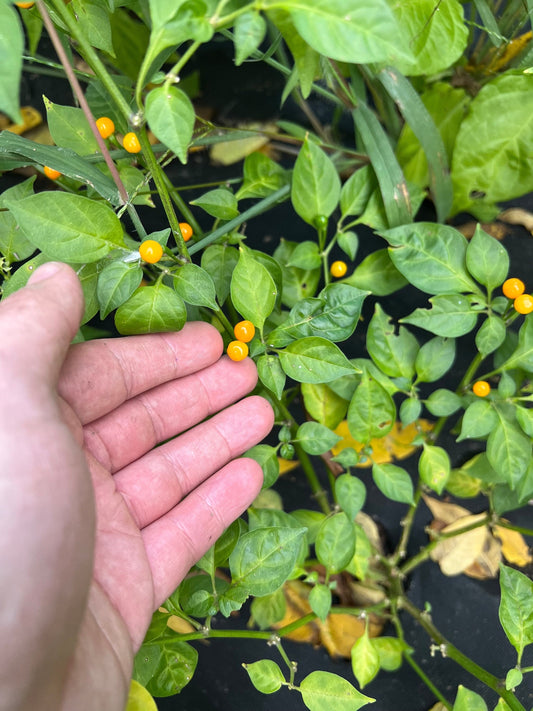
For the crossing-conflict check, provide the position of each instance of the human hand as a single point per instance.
(98, 528)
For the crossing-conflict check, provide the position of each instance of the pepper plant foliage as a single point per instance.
(441, 99)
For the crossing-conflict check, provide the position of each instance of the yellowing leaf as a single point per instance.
(179, 625)
(139, 699)
(397, 444)
(229, 152)
(487, 563)
(512, 49)
(514, 548)
(287, 465)
(444, 513)
(30, 119)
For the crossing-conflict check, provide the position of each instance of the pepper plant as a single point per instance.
(440, 97)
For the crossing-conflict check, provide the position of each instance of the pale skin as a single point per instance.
(98, 527)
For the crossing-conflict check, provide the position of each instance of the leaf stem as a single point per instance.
(408, 521)
(182, 206)
(159, 180)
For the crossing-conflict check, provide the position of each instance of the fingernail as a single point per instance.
(45, 271)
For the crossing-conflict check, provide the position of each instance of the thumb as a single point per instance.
(38, 322)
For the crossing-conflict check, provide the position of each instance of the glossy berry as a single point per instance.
(513, 288)
(51, 173)
(105, 126)
(186, 231)
(524, 304)
(151, 251)
(338, 269)
(25, 5)
(244, 331)
(481, 388)
(237, 350)
(131, 143)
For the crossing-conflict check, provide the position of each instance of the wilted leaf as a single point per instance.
(179, 625)
(514, 548)
(229, 152)
(397, 444)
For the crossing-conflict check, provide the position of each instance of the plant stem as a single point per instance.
(173, 75)
(91, 57)
(182, 205)
(418, 670)
(159, 180)
(408, 521)
(231, 225)
(512, 527)
(449, 650)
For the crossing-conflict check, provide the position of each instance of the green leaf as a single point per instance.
(220, 203)
(371, 413)
(523, 355)
(434, 359)
(491, 156)
(506, 386)
(417, 116)
(431, 256)
(390, 652)
(93, 21)
(261, 176)
(11, 46)
(434, 467)
(88, 276)
(316, 438)
(350, 493)
(513, 679)
(305, 256)
(491, 335)
(516, 608)
(377, 274)
(349, 243)
(68, 227)
(467, 700)
(335, 542)
(486, 259)
(323, 404)
(509, 450)
(410, 410)
(323, 691)
(315, 183)
(271, 374)
(394, 190)
(320, 600)
(450, 316)
(361, 33)
(442, 402)
(219, 553)
(393, 482)
(266, 457)
(70, 129)
(524, 418)
(394, 353)
(314, 360)
(170, 115)
(269, 609)
(356, 191)
(24, 152)
(116, 283)
(151, 309)
(306, 59)
(297, 283)
(253, 290)
(219, 261)
(365, 660)
(195, 286)
(479, 419)
(249, 32)
(172, 665)
(437, 35)
(264, 558)
(333, 315)
(265, 675)
(447, 107)
(13, 244)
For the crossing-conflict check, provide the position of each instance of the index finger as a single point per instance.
(100, 375)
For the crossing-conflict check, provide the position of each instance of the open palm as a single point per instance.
(106, 525)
